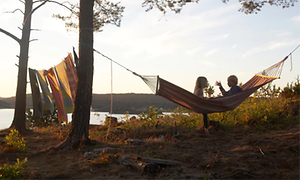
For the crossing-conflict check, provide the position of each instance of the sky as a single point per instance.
(208, 38)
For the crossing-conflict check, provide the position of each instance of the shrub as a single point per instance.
(266, 113)
(14, 140)
(149, 118)
(48, 119)
(292, 90)
(12, 171)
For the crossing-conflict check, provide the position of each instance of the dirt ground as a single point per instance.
(236, 154)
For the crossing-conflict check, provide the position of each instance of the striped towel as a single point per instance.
(62, 78)
(45, 90)
(36, 95)
(62, 116)
(71, 74)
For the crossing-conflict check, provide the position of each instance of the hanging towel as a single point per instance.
(62, 78)
(62, 116)
(36, 95)
(71, 74)
(45, 90)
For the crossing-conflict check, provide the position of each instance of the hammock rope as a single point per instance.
(111, 100)
(189, 100)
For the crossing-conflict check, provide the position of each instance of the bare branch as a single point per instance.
(10, 35)
(20, 28)
(61, 4)
(35, 30)
(22, 1)
(33, 40)
(44, 2)
(35, 10)
(15, 11)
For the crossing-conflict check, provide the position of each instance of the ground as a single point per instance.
(238, 153)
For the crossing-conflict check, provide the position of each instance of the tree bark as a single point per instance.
(79, 131)
(20, 102)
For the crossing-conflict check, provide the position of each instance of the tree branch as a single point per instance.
(10, 35)
(33, 40)
(35, 10)
(61, 4)
(44, 2)
(15, 11)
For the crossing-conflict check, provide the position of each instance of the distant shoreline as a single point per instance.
(122, 103)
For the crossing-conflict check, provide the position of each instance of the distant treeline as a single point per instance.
(122, 103)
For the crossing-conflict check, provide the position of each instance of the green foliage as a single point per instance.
(149, 118)
(261, 113)
(247, 7)
(292, 90)
(267, 91)
(14, 140)
(209, 91)
(12, 171)
(186, 118)
(105, 12)
(48, 119)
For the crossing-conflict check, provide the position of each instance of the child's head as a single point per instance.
(232, 81)
(201, 82)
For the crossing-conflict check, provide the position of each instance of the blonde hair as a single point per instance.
(233, 78)
(201, 83)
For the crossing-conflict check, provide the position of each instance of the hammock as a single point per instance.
(189, 100)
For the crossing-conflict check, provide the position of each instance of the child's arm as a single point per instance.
(218, 83)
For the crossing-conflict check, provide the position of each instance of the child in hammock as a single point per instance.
(201, 83)
(232, 82)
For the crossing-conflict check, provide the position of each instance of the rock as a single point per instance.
(90, 155)
(143, 167)
(135, 141)
(148, 166)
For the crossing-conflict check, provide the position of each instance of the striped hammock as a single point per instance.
(189, 100)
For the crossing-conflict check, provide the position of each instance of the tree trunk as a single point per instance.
(79, 131)
(20, 102)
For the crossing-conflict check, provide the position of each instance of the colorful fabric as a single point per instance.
(62, 116)
(211, 105)
(197, 104)
(36, 95)
(71, 74)
(45, 90)
(62, 78)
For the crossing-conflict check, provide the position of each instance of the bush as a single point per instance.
(14, 140)
(292, 90)
(12, 171)
(262, 113)
(149, 118)
(48, 119)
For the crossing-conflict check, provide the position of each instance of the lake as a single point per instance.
(6, 117)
